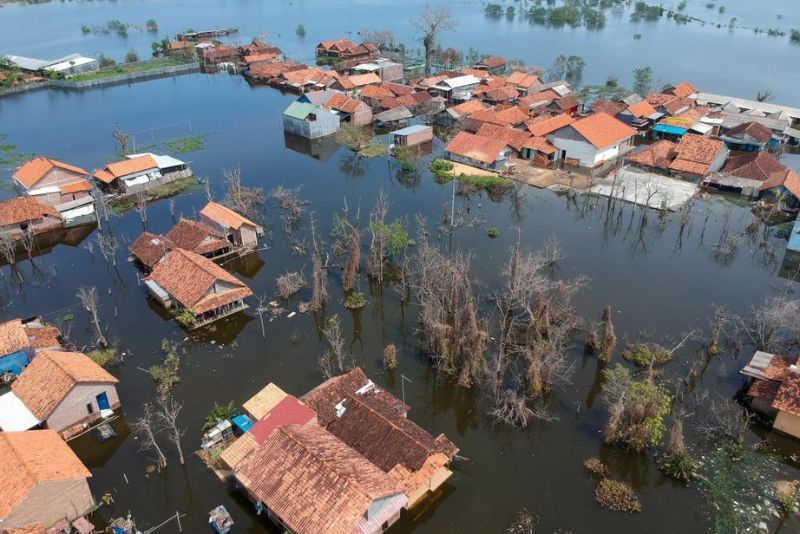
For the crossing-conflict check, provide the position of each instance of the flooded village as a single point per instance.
(278, 274)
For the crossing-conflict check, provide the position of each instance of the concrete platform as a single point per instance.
(645, 189)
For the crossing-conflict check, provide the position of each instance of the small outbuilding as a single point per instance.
(477, 151)
(238, 229)
(28, 215)
(413, 135)
(309, 121)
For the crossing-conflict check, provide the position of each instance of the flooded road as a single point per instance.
(657, 281)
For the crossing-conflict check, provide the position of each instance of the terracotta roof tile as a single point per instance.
(149, 248)
(540, 144)
(313, 481)
(24, 209)
(792, 183)
(12, 337)
(483, 149)
(190, 279)
(262, 402)
(196, 237)
(683, 89)
(224, 216)
(323, 398)
(607, 106)
(76, 187)
(235, 453)
(493, 62)
(43, 337)
(543, 124)
(343, 103)
(119, 169)
(468, 107)
(659, 155)
(34, 170)
(30, 458)
(643, 108)
(756, 130)
(51, 375)
(566, 102)
(288, 411)
(510, 136)
(788, 397)
(361, 80)
(602, 130)
(502, 94)
(761, 166)
(695, 154)
(522, 79)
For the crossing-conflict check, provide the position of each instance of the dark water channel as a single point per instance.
(656, 282)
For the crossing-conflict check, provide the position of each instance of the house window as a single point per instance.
(385, 525)
(89, 408)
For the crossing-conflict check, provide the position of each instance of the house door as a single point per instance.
(102, 401)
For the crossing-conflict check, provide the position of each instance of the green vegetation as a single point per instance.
(300, 31)
(596, 467)
(643, 354)
(643, 80)
(485, 182)
(492, 232)
(106, 61)
(85, 29)
(333, 62)
(219, 413)
(118, 27)
(679, 465)
(104, 357)
(395, 235)
(131, 56)
(404, 156)
(493, 10)
(175, 187)
(151, 25)
(166, 373)
(644, 11)
(637, 36)
(142, 66)
(184, 145)
(9, 156)
(568, 67)
(185, 317)
(442, 170)
(374, 151)
(355, 300)
(794, 36)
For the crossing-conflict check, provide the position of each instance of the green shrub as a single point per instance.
(680, 465)
(643, 353)
(492, 232)
(131, 56)
(220, 412)
(441, 170)
(104, 357)
(355, 300)
(300, 31)
(185, 317)
(151, 25)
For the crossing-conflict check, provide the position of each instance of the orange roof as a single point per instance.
(522, 79)
(51, 375)
(224, 216)
(602, 105)
(643, 108)
(24, 209)
(483, 149)
(683, 89)
(377, 92)
(493, 61)
(602, 130)
(510, 136)
(468, 107)
(476, 72)
(360, 80)
(502, 94)
(112, 171)
(792, 183)
(34, 170)
(30, 458)
(539, 144)
(543, 125)
(344, 103)
(695, 154)
(659, 155)
(191, 279)
(76, 187)
(12, 337)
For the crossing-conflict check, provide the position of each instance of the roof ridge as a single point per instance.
(370, 408)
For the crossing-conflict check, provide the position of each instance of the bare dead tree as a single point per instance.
(260, 310)
(390, 356)
(141, 205)
(167, 419)
(107, 244)
(247, 201)
(431, 22)
(290, 283)
(319, 292)
(171, 207)
(353, 136)
(335, 360)
(774, 326)
(526, 523)
(89, 301)
(609, 338)
(146, 428)
(292, 206)
(28, 242)
(8, 251)
(376, 257)
(720, 322)
(347, 240)
(721, 420)
(121, 138)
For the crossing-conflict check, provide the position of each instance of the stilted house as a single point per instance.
(43, 482)
(63, 186)
(140, 172)
(755, 174)
(28, 215)
(774, 390)
(62, 391)
(237, 229)
(20, 340)
(309, 481)
(376, 424)
(200, 290)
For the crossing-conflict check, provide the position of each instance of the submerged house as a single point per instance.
(20, 340)
(199, 238)
(748, 137)
(237, 229)
(149, 248)
(349, 109)
(62, 391)
(591, 141)
(696, 157)
(139, 172)
(375, 423)
(774, 390)
(309, 481)
(755, 174)
(482, 152)
(194, 284)
(63, 186)
(27, 215)
(309, 121)
(43, 482)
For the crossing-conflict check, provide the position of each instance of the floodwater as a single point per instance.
(657, 282)
(715, 59)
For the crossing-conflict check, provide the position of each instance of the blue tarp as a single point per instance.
(674, 130)
(242, 422)
(13, 363)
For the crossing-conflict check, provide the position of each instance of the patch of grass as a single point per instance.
(442, 170)
(355, 300)
(185, 317)
(643, 353)
(104, 357)
(616, 495)
(596, 467)
(184, 145)
(486, 182)
(492, 232)
(680, 466)
(143, 66)
(9, 156)
(373, 151)
(169, 189)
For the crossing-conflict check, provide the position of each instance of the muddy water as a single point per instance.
(656, 281)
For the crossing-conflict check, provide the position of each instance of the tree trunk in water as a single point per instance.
(353, 261)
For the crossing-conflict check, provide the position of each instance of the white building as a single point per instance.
(591, 141)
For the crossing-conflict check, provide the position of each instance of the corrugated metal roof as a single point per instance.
(412, 129)
(300, 110)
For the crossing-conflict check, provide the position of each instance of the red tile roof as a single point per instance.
(323, 398)
(502, 94)
(756, 130)
(493, 62)
(25, 209)
(476, 147)
(196, 236)
(34, 170)
(683, 89)
(607, 106)
(544, 124)
(695, 154)
(149, 248)
(659, 155)
(224, 216)
(289, 411)
(788, 397)
(641, 109)
(123, 168)
(191, 279)
(510, 136)
(12, 337)
(522, 79)
(540, 144)
(602, 130)
(761, 166)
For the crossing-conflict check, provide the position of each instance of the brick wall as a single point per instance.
(72, 409)
(52, 501)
